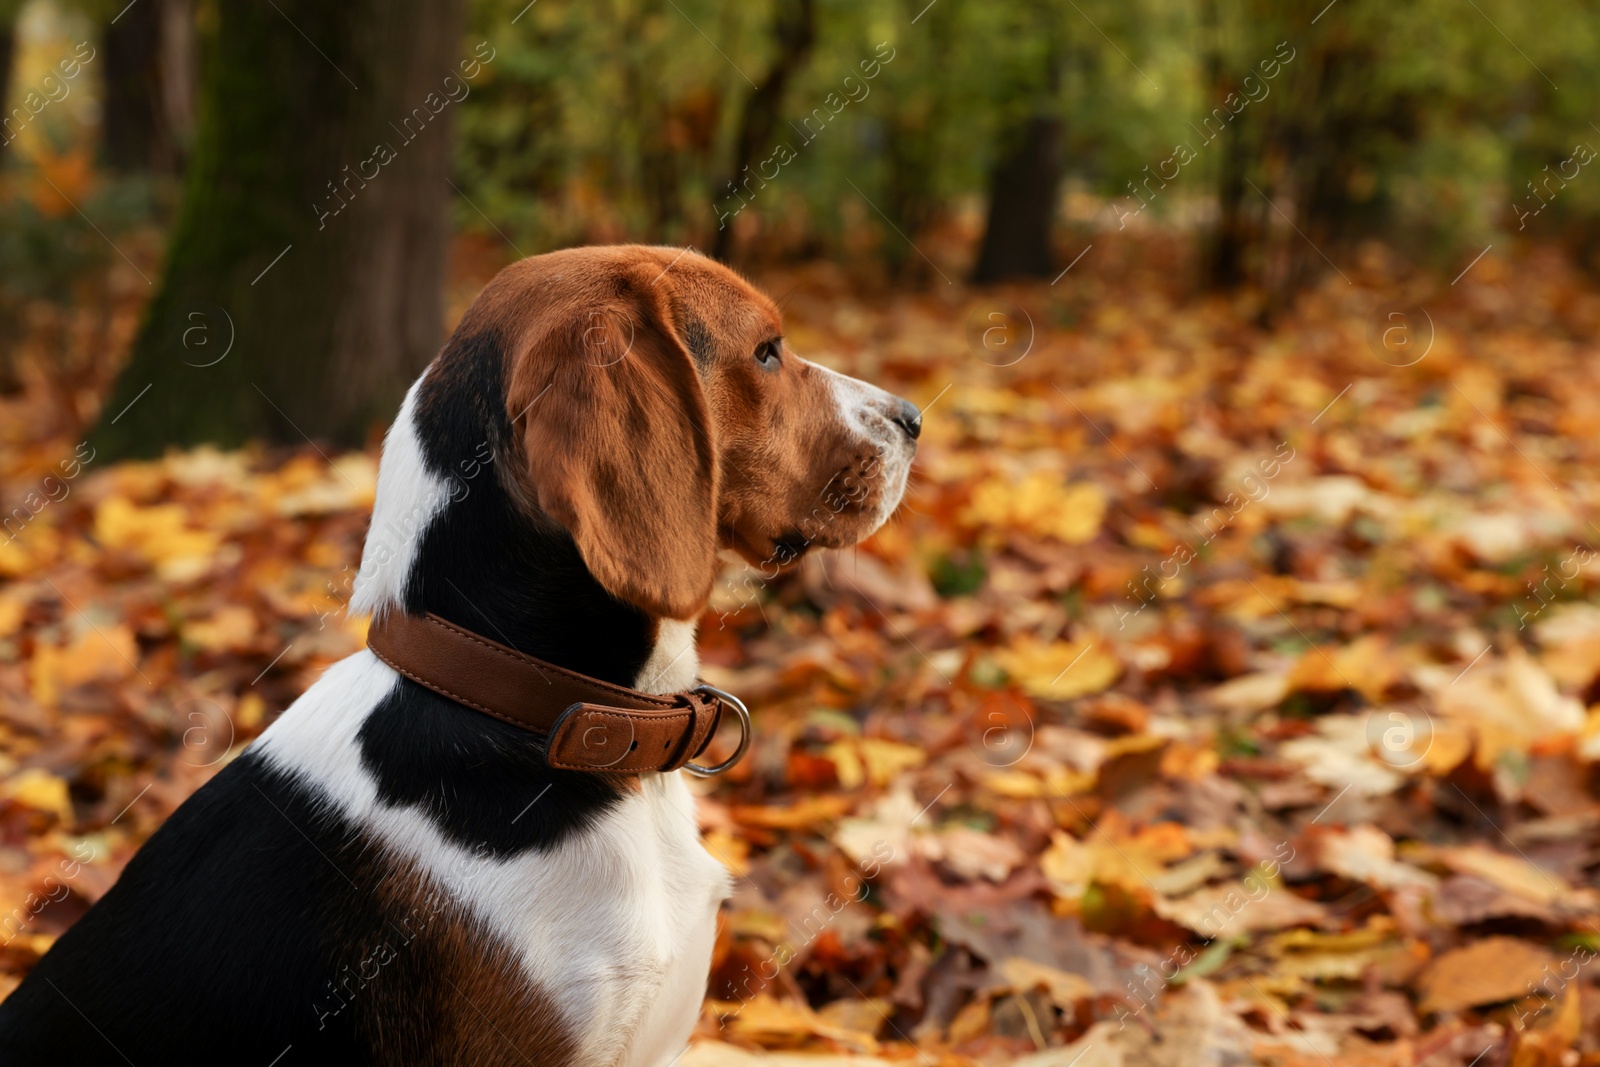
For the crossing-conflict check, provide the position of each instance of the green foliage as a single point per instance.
(44, 254)
(958, 574)
(1420, 123)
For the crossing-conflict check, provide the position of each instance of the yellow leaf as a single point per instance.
(1367, 665)
(1025, 975)
(230, 629)
(1068, 865)
(1547, 1044)
(733, 852)
(106, 654)
(15, 560)
(846, 762)
(804, 814)
(1040, 504)
(773, 1023)
(1346, 956)
(12, 609)
(349, 484)
(64, 179)
(971, 1022)
(1241, 907)
(39, 789)
(1018, 785)
(158, 534)
(864, 1015)
(251, 711)
(1513, 874)
(1060, 670)
(886, 760)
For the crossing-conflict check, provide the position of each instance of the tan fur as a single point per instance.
(651, 457)
(477, 1006)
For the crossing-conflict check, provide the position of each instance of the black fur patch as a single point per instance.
(698, 338)
(217, 943)
(482, 782)
(486, 566)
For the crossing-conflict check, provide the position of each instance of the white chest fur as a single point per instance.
(616, 924)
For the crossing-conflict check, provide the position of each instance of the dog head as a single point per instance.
(660, 416)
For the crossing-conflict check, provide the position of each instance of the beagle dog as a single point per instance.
(388, 875)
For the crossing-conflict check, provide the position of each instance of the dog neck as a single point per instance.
(452, 534)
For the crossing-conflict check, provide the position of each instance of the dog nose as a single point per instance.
(909, 419)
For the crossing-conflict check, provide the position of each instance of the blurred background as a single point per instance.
(1222, 693)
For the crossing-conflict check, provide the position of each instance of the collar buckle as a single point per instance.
(728, 700)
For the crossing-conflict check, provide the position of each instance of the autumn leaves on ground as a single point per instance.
(1219, 695)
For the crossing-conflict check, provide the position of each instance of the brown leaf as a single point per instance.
(1483, 972)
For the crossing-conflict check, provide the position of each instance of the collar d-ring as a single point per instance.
(728, 700)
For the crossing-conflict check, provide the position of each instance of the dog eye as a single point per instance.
(767, 354)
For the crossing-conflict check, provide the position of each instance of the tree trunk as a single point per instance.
(8, 51)
(302, 288)
(1224, 251)
(794, 29)
(1022, 204)
(133, 128)
(1225, 254)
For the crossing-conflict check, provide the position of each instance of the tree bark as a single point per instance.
(1022, 204)
(1225, 254)
(1225, 245)
(133, 128)
(302, 289)
(8, 51)
(794, 30)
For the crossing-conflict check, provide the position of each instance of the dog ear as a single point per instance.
(617, 434)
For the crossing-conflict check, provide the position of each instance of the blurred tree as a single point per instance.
(303, 279)
(1389, 121)
(9, 9)
(1022, 203)
(1430, 125)
(147, 106)
(1225, 244)
(1027, 174)
(923, 96)
(794, 31)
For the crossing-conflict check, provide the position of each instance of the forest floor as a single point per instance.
(1221, 694)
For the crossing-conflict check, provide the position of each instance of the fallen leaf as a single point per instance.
(1483, 972)
(1060, 670)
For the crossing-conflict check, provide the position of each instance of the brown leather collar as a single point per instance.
(591, 725)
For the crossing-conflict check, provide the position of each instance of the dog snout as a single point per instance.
(908, 418)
